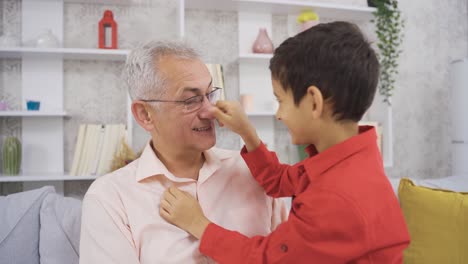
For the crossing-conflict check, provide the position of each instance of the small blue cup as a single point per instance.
(33, 105)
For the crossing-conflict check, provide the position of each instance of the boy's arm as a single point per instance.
(323, 227)
(318, 235)
(278, 180)
(105, 238)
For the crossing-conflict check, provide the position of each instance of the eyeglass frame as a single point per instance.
(184, 102)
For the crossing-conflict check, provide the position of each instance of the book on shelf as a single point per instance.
(95, 148)
(378, 130)
(216, 71)
(78, 149)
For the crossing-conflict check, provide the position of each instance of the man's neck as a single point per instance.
(183, 164)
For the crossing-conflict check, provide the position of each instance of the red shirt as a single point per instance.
(344, 210)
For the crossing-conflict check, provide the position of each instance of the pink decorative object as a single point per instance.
(263, 43)
(3, 106)
(247, 102)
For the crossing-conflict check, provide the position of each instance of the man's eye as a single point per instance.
(193, 100)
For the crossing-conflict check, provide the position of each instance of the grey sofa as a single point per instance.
(39, 226)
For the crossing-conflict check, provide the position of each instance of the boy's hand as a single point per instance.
(231, 115)
(181, 209)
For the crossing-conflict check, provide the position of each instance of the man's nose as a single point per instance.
(204, 112)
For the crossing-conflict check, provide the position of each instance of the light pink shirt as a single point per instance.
(121, 222)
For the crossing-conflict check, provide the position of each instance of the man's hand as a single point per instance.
(231, 115)
(181, 209)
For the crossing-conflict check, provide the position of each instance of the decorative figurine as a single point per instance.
(263, 43)
(108, 31)
(307, 19)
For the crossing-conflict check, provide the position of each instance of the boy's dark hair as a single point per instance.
(337, 59)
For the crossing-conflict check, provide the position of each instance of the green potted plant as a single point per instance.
(389, 29)
(11, 156)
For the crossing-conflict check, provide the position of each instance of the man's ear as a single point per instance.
(315, 98)
(143, 114)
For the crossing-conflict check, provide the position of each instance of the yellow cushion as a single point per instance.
(438, 224)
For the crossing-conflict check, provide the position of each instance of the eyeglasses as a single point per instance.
(193, 103)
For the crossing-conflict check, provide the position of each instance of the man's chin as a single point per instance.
(210, 144)
(205, 143)
(204, 140)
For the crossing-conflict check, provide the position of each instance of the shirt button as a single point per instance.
(284, 248)
(301, 170)
(297, 206)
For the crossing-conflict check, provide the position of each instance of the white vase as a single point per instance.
(47, 40)
(8, 40)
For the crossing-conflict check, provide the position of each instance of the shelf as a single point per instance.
(65, 53)
(260, 114)
(33, 113)
(112, 2)
(336, 11)
(44, 177)
(252, 57)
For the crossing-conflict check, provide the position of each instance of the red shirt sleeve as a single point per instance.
(325, 229)
(278, 180)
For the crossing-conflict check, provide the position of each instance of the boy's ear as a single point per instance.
(316, 99)
(143, 115)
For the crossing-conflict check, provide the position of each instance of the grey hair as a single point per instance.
(141, 72)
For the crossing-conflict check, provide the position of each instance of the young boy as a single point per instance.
(344, 209)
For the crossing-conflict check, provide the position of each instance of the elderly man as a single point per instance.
(172, 91)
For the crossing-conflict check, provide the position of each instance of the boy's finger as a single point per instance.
(164, 214)
(168, 196)
(175, 192)
(220, 115)
(165, 205)
(189, 195)
(221, 104)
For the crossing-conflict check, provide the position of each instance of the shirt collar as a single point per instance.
(150, 165)
(317, 163)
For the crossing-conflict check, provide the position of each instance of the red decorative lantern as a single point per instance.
(108, 31)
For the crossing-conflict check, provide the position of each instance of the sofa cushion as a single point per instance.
(19, 229)
(436, 221)
(60, 230)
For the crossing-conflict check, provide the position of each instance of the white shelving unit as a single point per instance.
(64, 53)
(266, 113)
(42, 178)
(252, 57)
(31, 179)
(343, 12)
(42, 80)
(33, 113)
